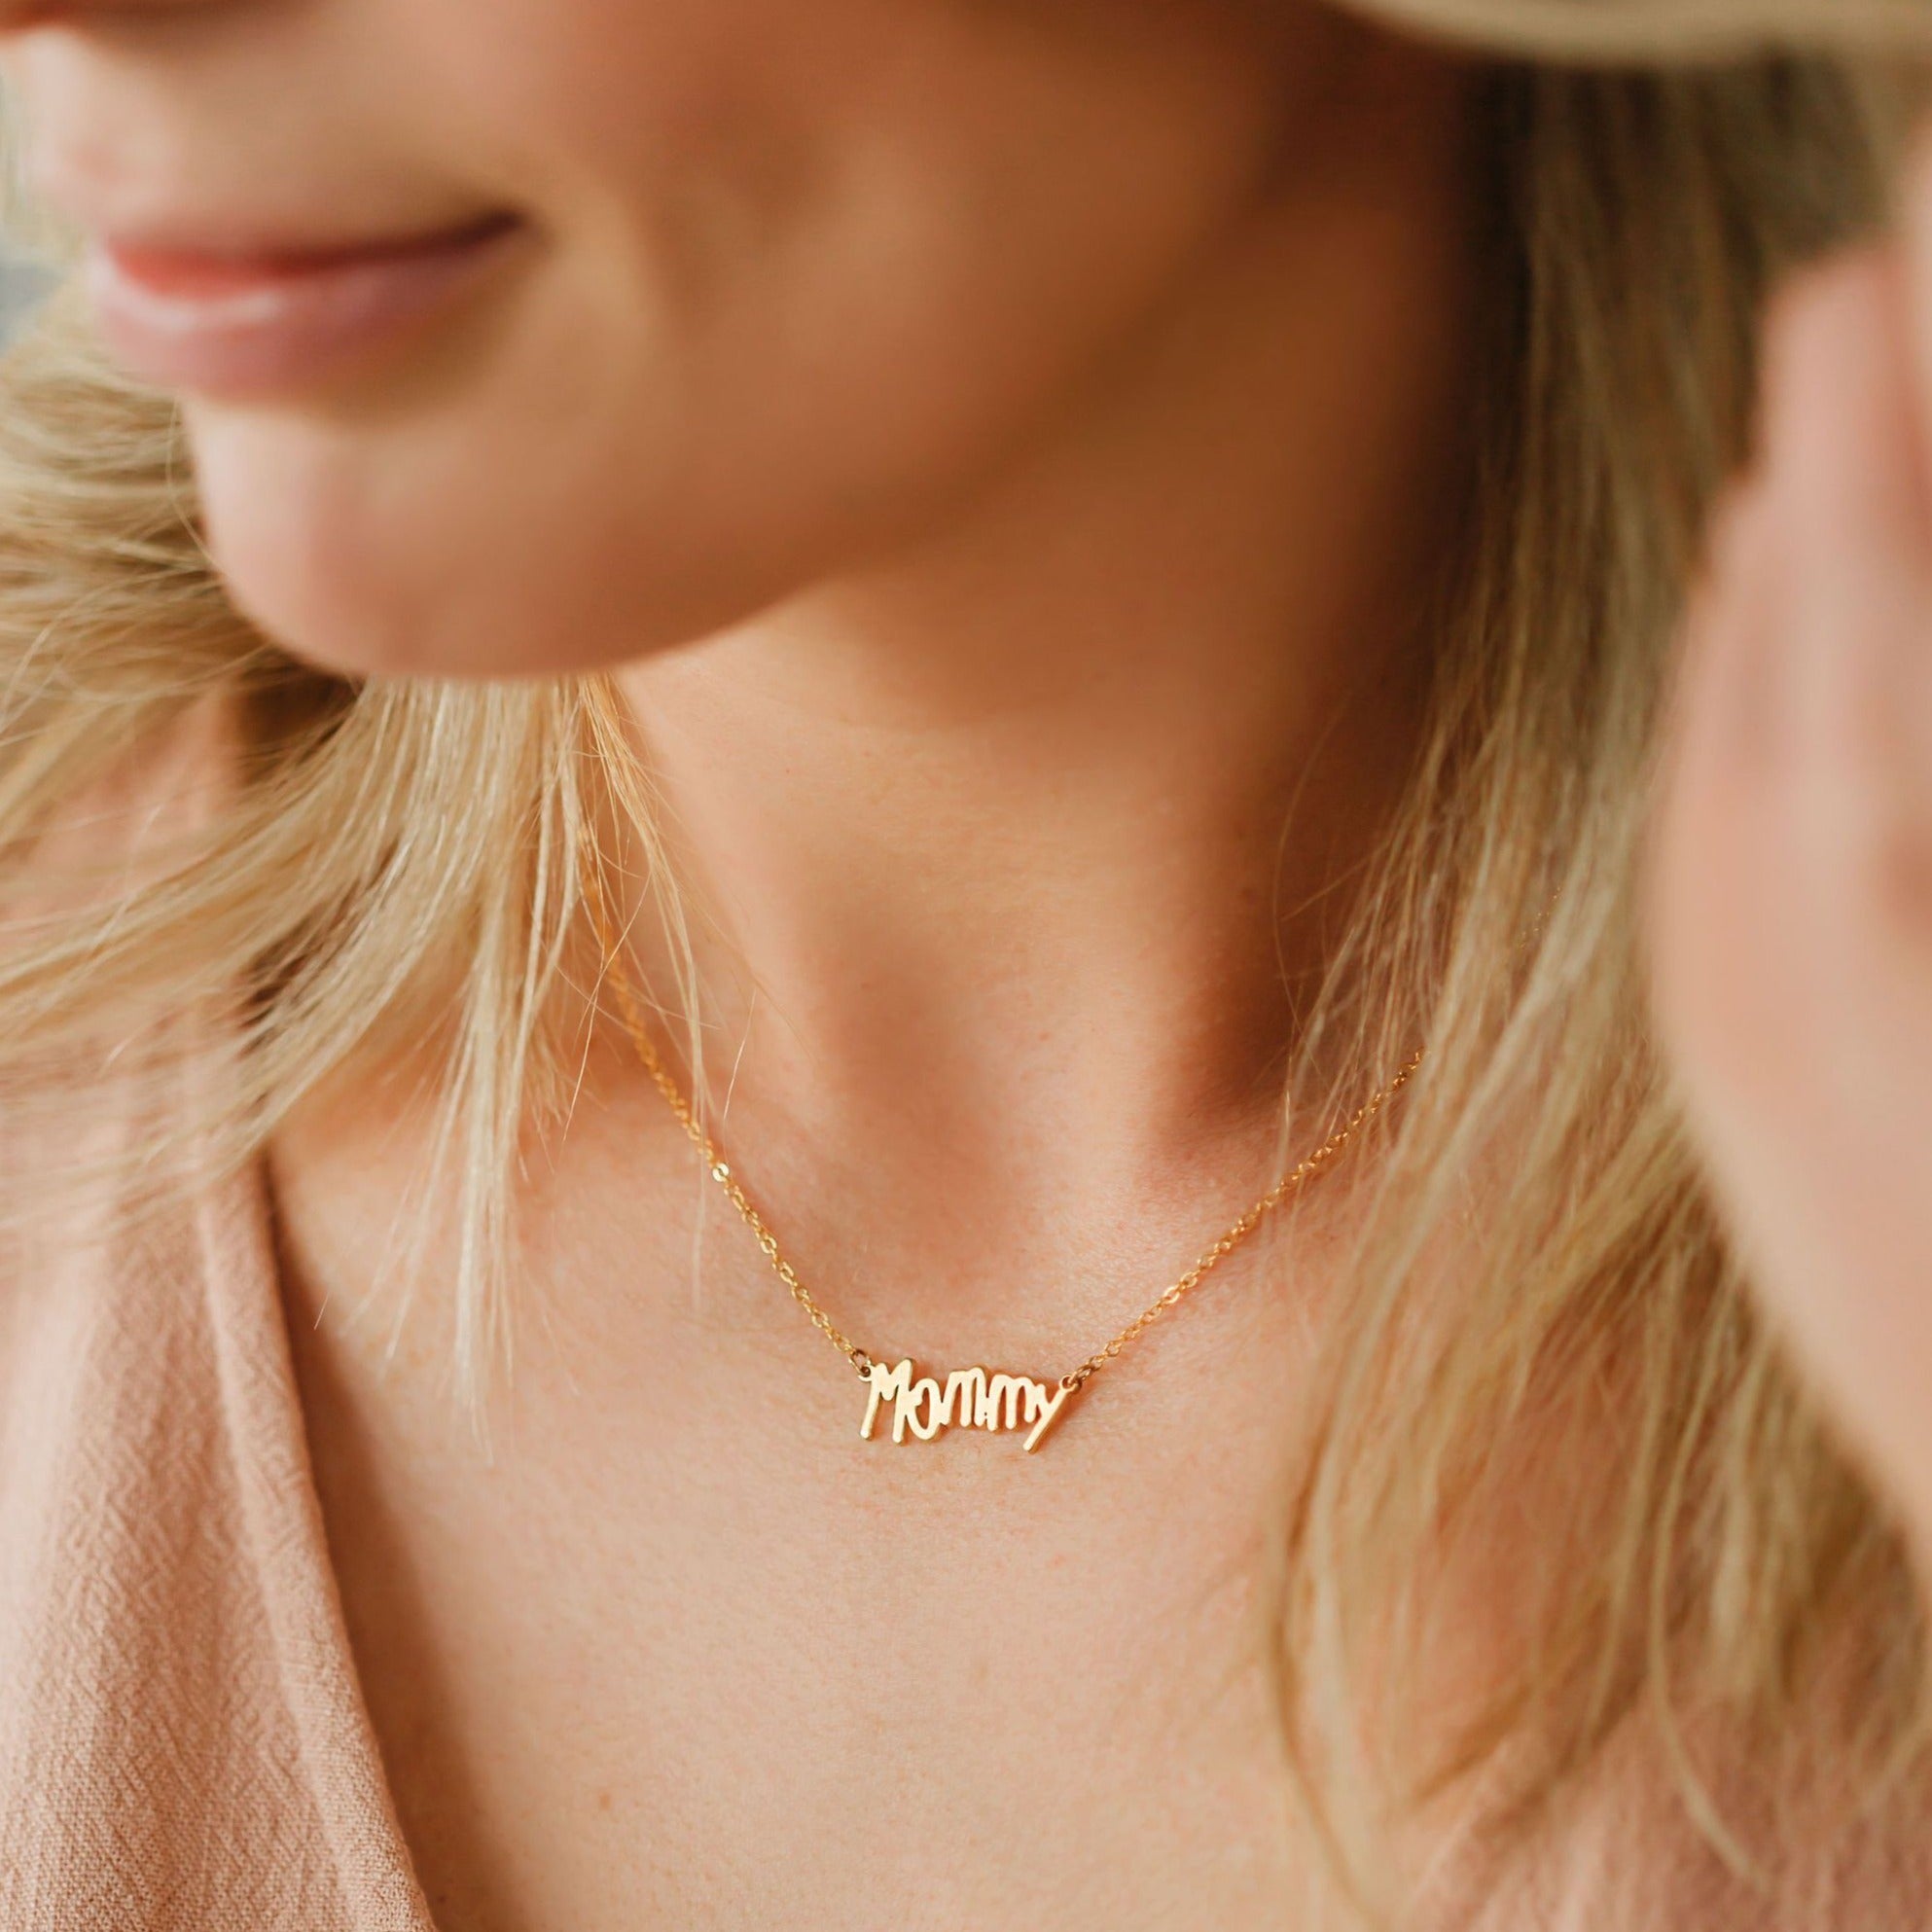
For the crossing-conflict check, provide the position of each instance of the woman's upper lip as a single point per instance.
(213, 253)
(170, 188)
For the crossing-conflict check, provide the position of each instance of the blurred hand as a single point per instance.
(1792, 888)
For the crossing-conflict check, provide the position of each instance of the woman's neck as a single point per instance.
(1022, 835)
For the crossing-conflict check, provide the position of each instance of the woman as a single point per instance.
(684, 674)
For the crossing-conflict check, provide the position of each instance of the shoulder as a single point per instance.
(1674, 1829)
(98, 1057)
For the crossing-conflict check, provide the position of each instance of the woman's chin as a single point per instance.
(353, 582)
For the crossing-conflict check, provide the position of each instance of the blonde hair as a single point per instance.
(398, 851)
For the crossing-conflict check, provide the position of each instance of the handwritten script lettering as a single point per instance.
(966, 1399)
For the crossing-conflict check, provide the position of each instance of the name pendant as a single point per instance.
(966, 1399)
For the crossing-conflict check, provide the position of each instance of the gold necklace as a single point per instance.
(966, 1398)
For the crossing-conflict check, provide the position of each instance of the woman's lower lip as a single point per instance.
(263, 323)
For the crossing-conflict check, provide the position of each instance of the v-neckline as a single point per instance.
(287, 1532)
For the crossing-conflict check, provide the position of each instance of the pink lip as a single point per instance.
(261, 321)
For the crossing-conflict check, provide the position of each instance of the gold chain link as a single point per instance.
(861, 1359)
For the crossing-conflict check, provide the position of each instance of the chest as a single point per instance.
(684, 1647)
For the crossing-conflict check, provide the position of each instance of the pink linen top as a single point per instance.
(184, 1745)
